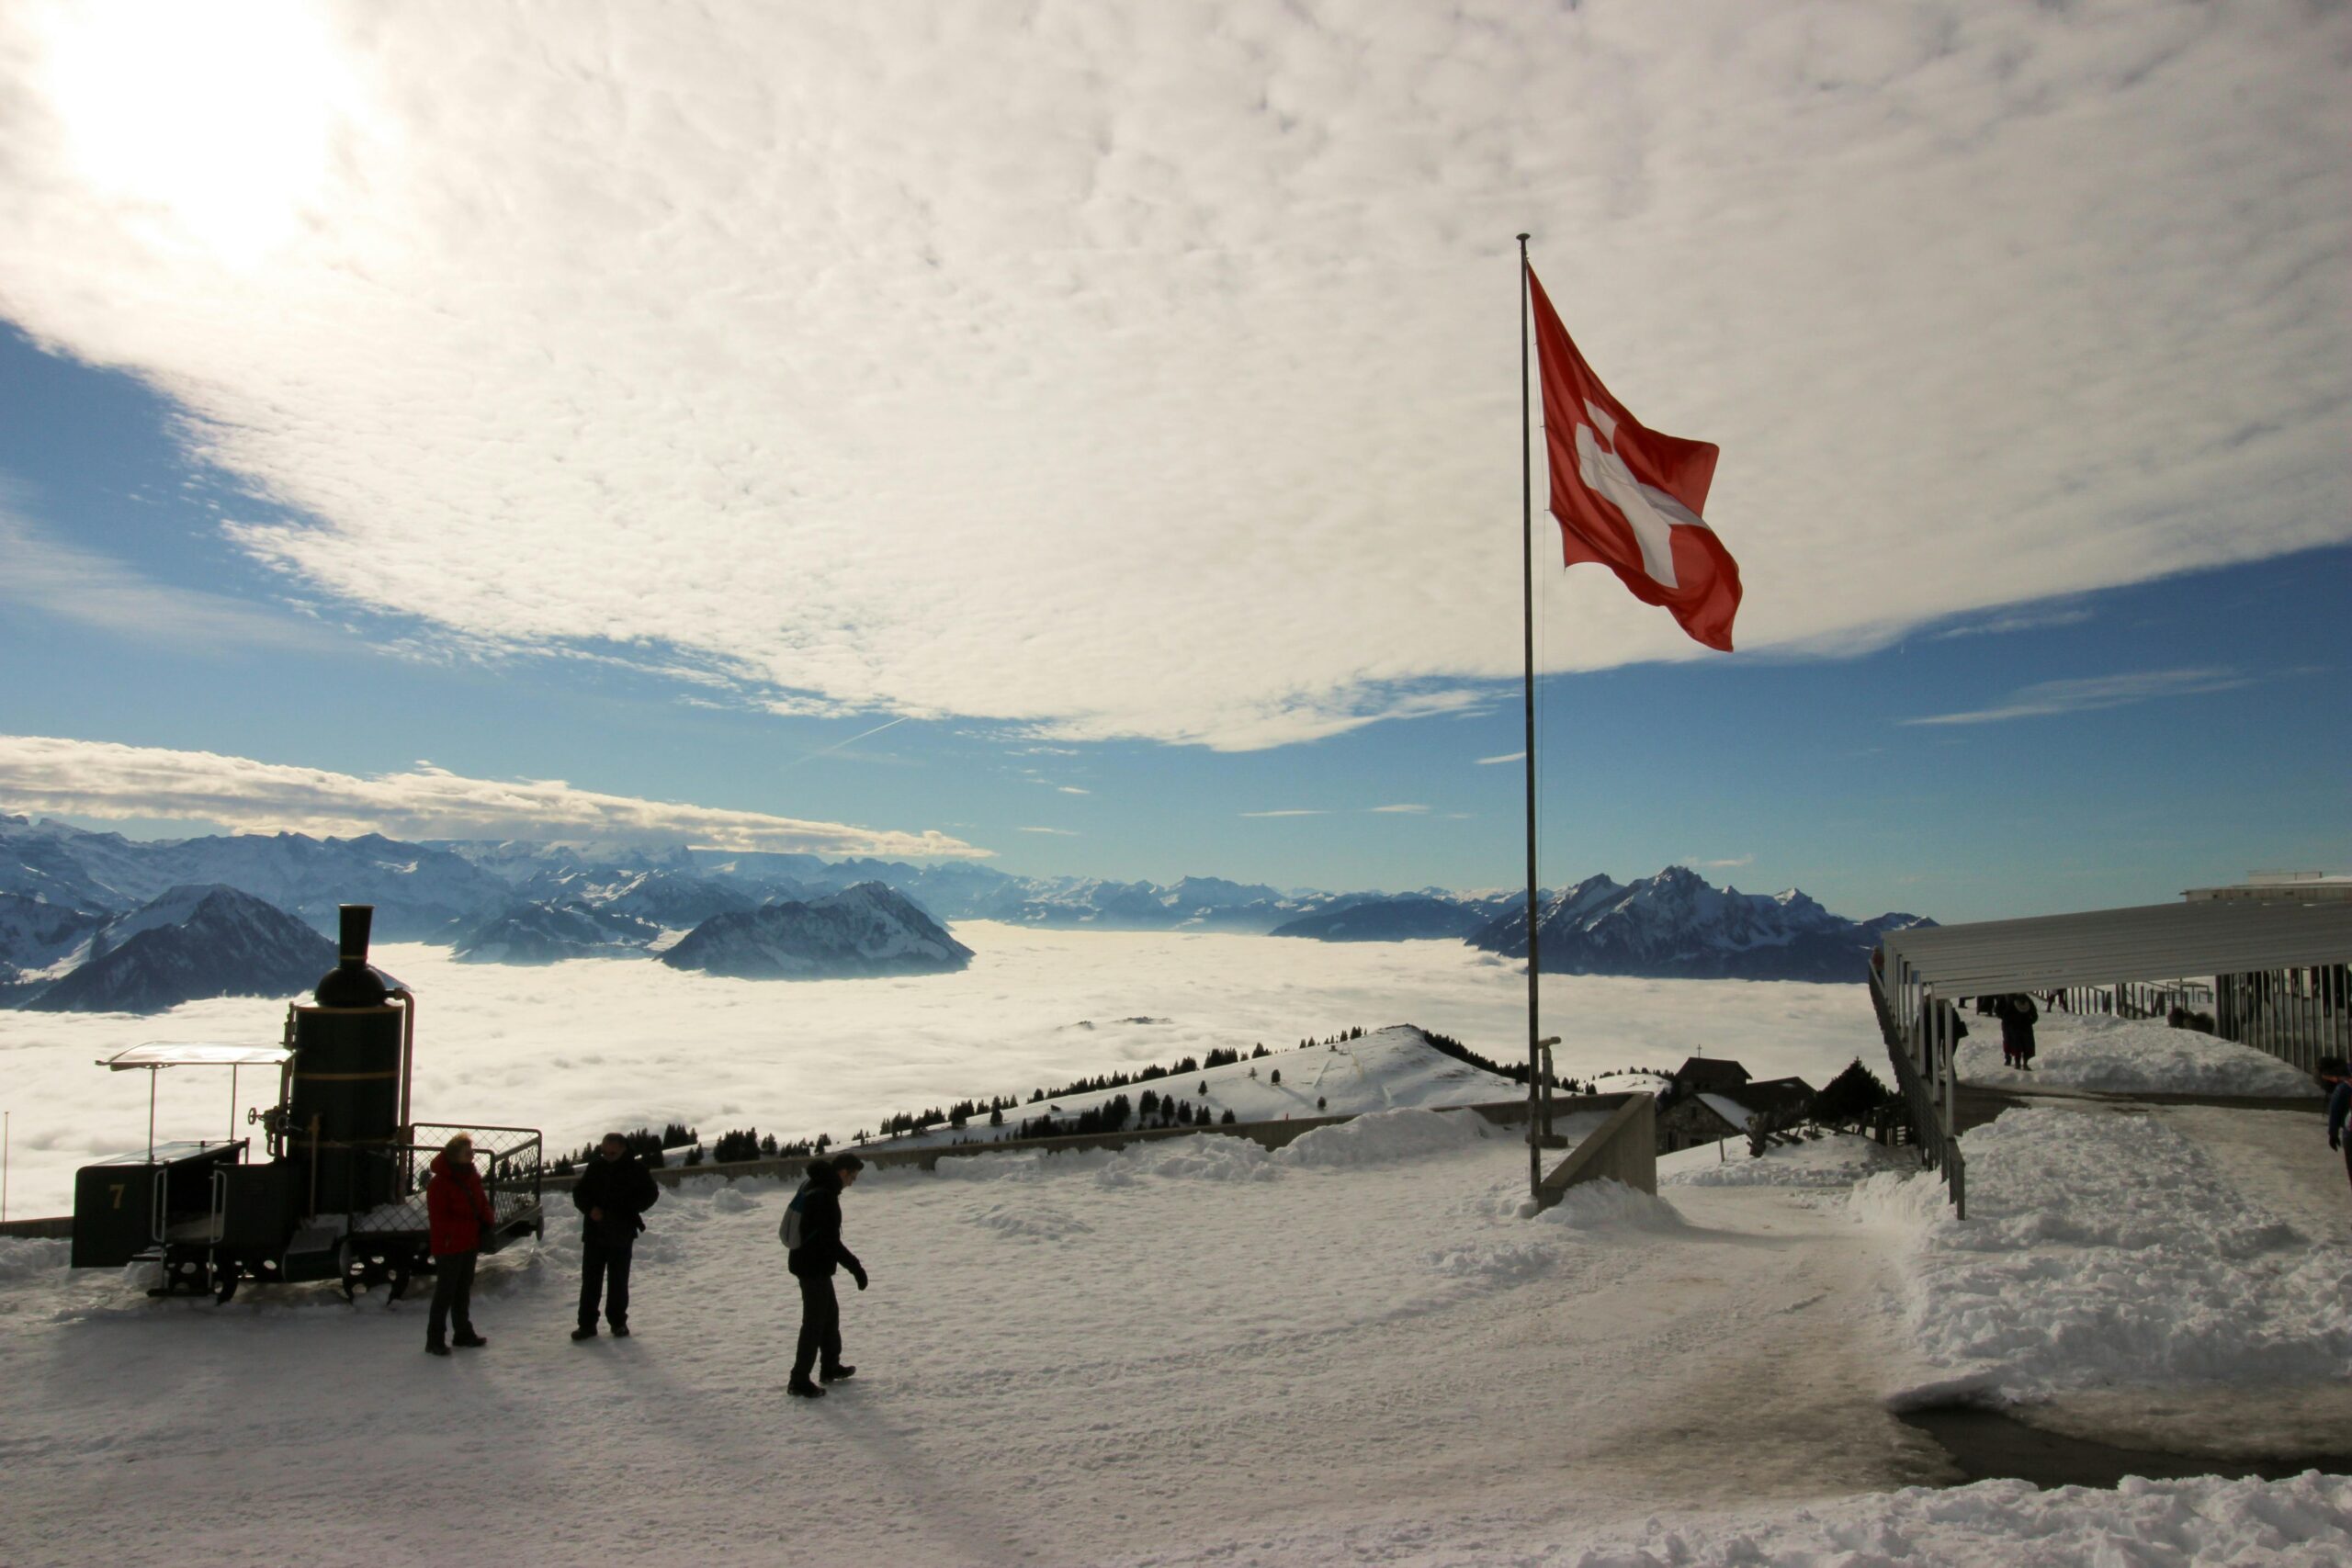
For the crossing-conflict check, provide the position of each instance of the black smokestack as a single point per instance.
(351, 984)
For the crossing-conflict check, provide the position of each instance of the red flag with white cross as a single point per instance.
(1630, 497)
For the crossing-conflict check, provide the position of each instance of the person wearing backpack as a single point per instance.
(812, 1232)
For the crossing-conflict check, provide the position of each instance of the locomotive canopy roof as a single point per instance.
(159, 1054)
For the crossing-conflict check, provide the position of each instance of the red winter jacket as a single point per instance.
(457, 1207)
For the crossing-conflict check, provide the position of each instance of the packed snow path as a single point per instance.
(1353, 1350)
(1073, 1360)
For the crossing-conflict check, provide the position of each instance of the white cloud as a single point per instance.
(1294, 811)
(1072, 789)
(2032, 619)
(101, 779)
(1406, 810)
(1506, 757)
(2050, 698)
(1732, 864)
(893, 365)
(1057, 833)
(60, 579)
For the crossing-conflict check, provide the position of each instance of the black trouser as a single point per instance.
(453, 1297)
(820, 1326)
(604, 1271)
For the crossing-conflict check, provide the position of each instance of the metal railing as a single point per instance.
(1923, 1063)
(514, 1171)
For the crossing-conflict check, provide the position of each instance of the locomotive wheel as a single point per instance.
(184, 1277)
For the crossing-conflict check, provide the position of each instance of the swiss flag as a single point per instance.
(1628, 497)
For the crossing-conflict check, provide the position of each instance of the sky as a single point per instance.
(1084, 437)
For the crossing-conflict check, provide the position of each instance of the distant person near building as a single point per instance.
(612, 1195)
(2016, 1013)
(812, 1232)
(459, 1212)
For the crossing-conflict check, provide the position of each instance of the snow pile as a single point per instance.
(2120, 1056)
(1611, 1205)
(1385, 1136)
(21, 1258)
(1203, 1157)
(1840, 1159)
(2109, 1250)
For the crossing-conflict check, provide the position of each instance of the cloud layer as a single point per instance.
(2047, 698)
(100, 779)
(1148, 369)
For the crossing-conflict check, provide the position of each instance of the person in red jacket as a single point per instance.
(462, 1219)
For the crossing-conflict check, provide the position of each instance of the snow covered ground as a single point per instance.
(1833, 1160)
(1355, 1351)
(578, 1047)
(2169, 1278)
(2092, 1051)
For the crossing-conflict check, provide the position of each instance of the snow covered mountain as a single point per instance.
(543, 932)
(525, 901)
(1403, 916)
(34, 936)
(191, 943)
(1676, 925)
(420, 894)
(866, 929)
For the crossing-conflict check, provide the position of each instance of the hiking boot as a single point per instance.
(434, 1348)
(620, 1331)
(469, 1341)
(801, 1388)
(584, 1333)
(837, 1374)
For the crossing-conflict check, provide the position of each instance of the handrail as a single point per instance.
(1939, 1146)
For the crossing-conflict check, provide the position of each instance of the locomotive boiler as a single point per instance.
(340, 1194)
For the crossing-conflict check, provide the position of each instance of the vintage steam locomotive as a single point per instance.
(341, 1195)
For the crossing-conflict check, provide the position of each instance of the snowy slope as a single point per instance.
(1188, 1353)
(1386, 1069)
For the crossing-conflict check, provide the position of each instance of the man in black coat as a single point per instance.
(612, 1195)
(2016, 1013)
(812, 1232)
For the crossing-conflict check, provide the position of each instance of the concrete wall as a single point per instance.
(61, 1226)
(1624, 1149)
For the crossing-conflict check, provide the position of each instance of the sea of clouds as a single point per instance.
(577, 1047)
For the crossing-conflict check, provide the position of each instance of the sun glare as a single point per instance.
(212, 121)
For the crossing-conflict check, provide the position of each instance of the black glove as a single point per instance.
(861, 1278)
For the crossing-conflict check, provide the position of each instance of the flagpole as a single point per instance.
(1527, 630)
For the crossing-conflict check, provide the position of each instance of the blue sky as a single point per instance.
(407, 440)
